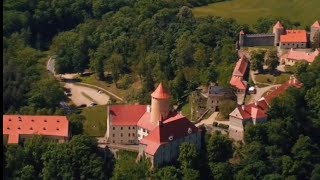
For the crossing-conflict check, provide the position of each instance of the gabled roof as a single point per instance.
(238, 83)
(175, 127)
(299, 55)
(278, 25)
(126, 115)
(145, 122)
(160, 92)
(241, 67)
(16, 125)
(316, 24)
(293, 82)
(294, 36)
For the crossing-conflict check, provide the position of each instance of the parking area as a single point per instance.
(81, 95)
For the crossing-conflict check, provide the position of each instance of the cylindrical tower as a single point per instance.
(315, 28)
(278, 30)
(241, 38)
(160, 106)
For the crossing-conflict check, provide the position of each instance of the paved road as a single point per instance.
(260, 92)
(211, 119)
(78, 98)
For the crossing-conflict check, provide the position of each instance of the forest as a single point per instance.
(156, 41)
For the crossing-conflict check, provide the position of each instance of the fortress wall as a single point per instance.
(259, 40)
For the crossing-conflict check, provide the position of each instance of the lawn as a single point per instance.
(96, 120)
(249, 11)
(270, 79)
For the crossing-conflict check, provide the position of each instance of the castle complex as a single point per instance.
(156, 129)
(281, 37)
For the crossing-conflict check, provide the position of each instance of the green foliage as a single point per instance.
(272, 60)
(167, 173)
(221, 171)
(226, 107)
(188, 156)
(190, 174)
(219, 148)
(257, 60)
(76, 123)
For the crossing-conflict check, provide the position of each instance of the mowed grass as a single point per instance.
(270, 79)
(249, 11)
(96, 120)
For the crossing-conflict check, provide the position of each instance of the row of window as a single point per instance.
(283, 44)
(113, 135)
(114, 128)
(129, 141)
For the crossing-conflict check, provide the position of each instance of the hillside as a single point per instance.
(248, 11)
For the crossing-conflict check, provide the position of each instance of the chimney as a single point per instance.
(256, 103)
(242, 107)
(148, 108)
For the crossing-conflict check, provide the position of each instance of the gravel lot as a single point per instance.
(78, 98)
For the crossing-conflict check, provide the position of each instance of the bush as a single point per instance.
(214, 124)
(125, 82)
(223, 126)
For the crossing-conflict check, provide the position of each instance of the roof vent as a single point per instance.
(32, 120)
(45, 120)
(31, 128)
(189, 131)
(57, 129)
(20, 119)
(170, 138)
(58, 121)
(8, 128)
(9, 119)
(44, 128)
(19, 128)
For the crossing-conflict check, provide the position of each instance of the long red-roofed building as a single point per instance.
(237, 79)
(293, 56)
(158, 130)
(18, 128)
(256, 112)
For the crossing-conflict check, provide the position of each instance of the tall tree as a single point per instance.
(257, 59)
(219, 148)
(188, 156)
(272, 60)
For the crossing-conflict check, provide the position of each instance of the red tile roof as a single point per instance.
(174, 127)
(145, 122)
(299, 55)
(126, 115)
(241, 67)
(160, 93)
(238, 83)
(280, 90)
(15, 125)
(278, 25)
(294, 36)
(316, 24)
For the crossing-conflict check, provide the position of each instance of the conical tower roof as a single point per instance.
(316, 24)
(160, 92)
(278, 25)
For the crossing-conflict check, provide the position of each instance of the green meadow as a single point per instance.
(249, 11)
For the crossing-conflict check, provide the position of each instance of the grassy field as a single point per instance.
(96, 120)
(270, 79)
(248, 11)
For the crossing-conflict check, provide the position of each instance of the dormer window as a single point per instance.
(58, 121)
(170, 138)
(9, 119)
(57, 129)
(189, 131)
(32, 120)
(45, 120)
(31, 128)
(8, 128)
(19, 128)
(44, 128)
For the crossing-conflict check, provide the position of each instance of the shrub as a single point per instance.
(224, 126)
(214, 124)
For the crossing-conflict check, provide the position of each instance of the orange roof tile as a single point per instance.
(238, 83)
(316, 24)
(15, 125)
(160, 93)
(294, 36)
(299, 55)
(241, 67)
(126, 115)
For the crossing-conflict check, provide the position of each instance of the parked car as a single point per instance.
(82, 105)
(93, 104)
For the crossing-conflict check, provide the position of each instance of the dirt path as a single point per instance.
(78, 98)
(212, 119)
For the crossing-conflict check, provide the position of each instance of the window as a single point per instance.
(121, 134)
(112, 135)
(129, 127)
(113, 141)
(144, 130)
(133, 134)
(129, 134)
(212, 101)
(113, 128)
(133, 127)
(121, 128)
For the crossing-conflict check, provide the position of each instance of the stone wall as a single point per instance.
(251, 40)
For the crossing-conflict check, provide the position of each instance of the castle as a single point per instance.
(280, 37)
(156, 129)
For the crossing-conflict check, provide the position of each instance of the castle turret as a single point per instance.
(241, 38)
(159, 104)
(315, 28)
(278, 30)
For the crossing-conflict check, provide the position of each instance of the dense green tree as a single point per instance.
(226, 107)
(257, 60)
(190, 174)
(219, 148)
(76, 123)
(167, 173)
(272, 60)
(188, 156)
(315, 172)
(221, 171)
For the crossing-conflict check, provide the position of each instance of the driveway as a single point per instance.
(260, 92)
(211, 119)
(78, 98)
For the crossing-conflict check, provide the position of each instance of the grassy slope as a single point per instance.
(96, 123)
(248, 11)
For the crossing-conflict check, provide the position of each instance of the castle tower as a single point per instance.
(314, 28)
(241, 38)
(159, 104)
(278, 30)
